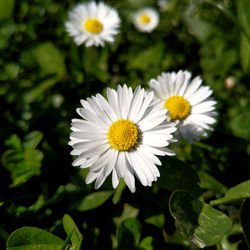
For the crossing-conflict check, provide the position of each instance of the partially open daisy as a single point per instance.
(121, 135)
(93, 23)
(146, 19)
(189, 103)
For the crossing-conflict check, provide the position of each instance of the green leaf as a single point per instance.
(32, 139)
(245, 53)
(72, 230)
(33, 238)
(156, 220)
(22, 165)
(240, 124)
(93, 200)
(14, 142)
(199, 28)
(243, 16)
(147, 58)
(128, 212)
(210, 183)
(149, 243)
(226, 241)
(50, 59)
(200, 223)
(245, 220)
(118, 191)
(176, 174)
(31, 95)
(6, 7)
(129, 233)
(236, 193)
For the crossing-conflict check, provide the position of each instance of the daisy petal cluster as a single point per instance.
(93, 24)
(121, 135)
(190, 105)
(146, 19)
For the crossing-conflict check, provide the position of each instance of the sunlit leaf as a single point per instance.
(50, 59)
(200, 223)
(93, 200)
(149, 243)
(33, 238)
(235, 193)
(156, 220)
(72, 230)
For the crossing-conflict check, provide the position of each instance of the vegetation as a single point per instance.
(202, 196)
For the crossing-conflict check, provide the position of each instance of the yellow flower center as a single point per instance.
(145, 18)
(93, 25)
(178, 107)
(123, 135)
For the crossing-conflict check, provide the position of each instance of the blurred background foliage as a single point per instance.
(43, 76)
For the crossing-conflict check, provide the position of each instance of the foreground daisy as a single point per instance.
(146, 19)
(189, 103)
(93, 23)
(121, 135)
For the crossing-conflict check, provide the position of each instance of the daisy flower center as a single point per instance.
(178, 107)
(145, 19)
(123, 135)
(93, 26)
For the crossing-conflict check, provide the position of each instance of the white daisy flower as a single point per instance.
(93, 23)
(121, 135)
(146, 19)
(189, 103)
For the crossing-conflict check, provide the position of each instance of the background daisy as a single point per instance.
(121, 135)
(189, 103)
(146, 19)
(93, 23)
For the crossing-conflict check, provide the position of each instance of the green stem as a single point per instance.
(219, 246)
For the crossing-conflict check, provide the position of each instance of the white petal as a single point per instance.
(87, 135)
(147, 100)
(183, 88)
(202, 94)
(107, 108)
(79, 161)
(137, 168)
(115, 179)
(202, 118)
(136, 103)
(112, 99)
(98, 150)
(129, 178)
(193, 86)
(203, 107)
(155, 141)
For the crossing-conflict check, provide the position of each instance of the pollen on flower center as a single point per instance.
(178, 107)
(123, 135)
(93, 25)
(145, 18)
